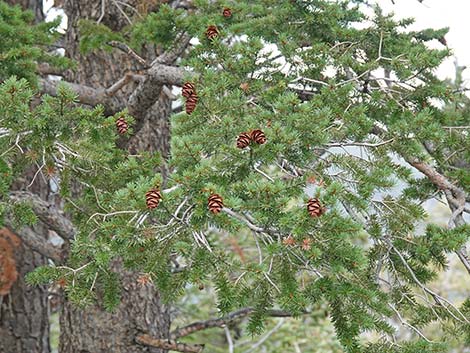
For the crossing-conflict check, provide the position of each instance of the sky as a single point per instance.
(438, 14)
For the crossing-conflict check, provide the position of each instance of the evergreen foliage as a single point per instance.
(23, 44)
(335, 131)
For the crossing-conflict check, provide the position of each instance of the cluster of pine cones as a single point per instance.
(245, 138)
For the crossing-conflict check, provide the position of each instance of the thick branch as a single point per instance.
(169, 344)
(149, 90)
(160, 73)
(86, 95)
(37, 242)
(221, 322)
(47, 69)
(47, 213)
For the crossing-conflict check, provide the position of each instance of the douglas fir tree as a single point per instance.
(308, 134)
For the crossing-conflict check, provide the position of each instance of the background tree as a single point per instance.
(291, 156)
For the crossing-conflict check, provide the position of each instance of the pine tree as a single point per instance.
(303, 142)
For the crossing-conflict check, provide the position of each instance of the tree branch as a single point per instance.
(169, 344)
(47, 69)
(47, 213)
(126, 49)
(221, 322)
(37, 243)
(160, 73)
(149, 90)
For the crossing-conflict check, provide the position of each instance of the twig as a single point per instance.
(126, 49)
(229, 339)
(361, 144)
(111, 91)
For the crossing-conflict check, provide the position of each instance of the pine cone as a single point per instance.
(258, 136)
(212, 32)
(243, 140)
(314, 208)
(227, 13)
(152, 198)
(188, 90)
(122, 125)
(191, 103)
(215, 203)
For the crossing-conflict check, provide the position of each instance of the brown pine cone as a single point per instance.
(215, 203)
(243, 140)
(258, 136)
(227, 13)
(212, 32)
(122, 125)
(315, 208)
(152, 198)
(191, 103)
(188, 89)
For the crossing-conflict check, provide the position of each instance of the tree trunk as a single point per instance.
(24, 313)
(93, 329)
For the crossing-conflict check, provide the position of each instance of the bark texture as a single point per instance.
(24, 312)
(93, 330)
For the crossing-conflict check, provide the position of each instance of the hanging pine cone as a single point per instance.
(191, 103)
(188, 89)
(152, 198)
(215, 203)
(227, 13)
(212, 32)
(122, 125)
(314, 208)
(243, 140)
(258, 136)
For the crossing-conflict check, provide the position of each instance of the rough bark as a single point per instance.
(93, 329)
(24, 312)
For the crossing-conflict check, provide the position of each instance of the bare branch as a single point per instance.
(47, 69)
(110, 91)
(160, 73)
(37, 243)
(149, 90)
(47, 213)
(360, 144)
(221, 322)
(86, 95)
(169, 344)
(126, 49)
